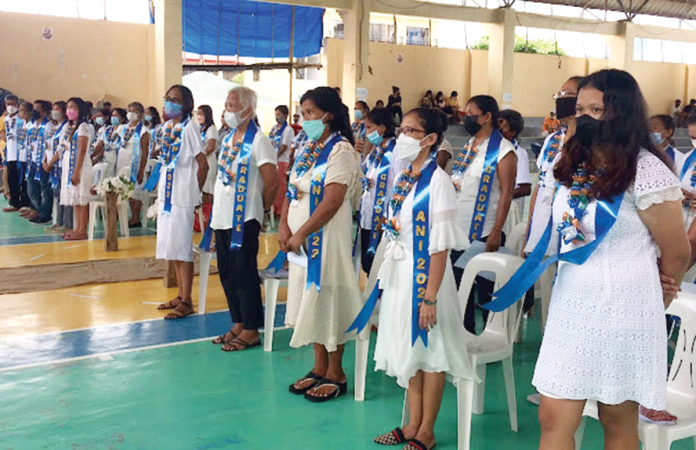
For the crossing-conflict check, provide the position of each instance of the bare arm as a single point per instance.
(284, 233)
(691, 234)
(281, 151)
(98, 152)
(507, 172)
(666, 225)
(144, 149)
(202, 169)
(269, 174)
(210, 146)
(334, 195)
(436, 271)
(522, 191)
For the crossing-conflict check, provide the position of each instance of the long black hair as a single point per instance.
(382, 116)
(327, 100)
(187, 97)
(122, 114)
(82, 113)
(156, 119)
(432, 121)
(624, 131)
(207, 116)
(487, 104)
(667, 123)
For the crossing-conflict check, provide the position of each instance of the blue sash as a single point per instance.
(277, 262)
(380, 197)
(421, 260)
(154, 177)
(533, 267)
(40, 149)
(241, 190)
(207, 235)
(55, 170)
(73, 156)
(316, 192)
(278, 135)
(670, 152)
(21, 138)
(173, 149)
(135, 158)
(485, 186)
(687, 164)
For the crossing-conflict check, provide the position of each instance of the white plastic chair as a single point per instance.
(99, 205)
(495, 343)
(681, 397)
(204, 273)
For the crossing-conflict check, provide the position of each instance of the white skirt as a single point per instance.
(79, 195)
(175, 234)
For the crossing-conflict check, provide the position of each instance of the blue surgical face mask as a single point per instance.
(148, 118)
(172, 110)
(100, 121)
(314, 128)
(656, 138)
(375, 138)
(115, 121)
(358, 114)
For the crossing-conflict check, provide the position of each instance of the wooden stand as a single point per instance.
(169, 274)
(110, 228)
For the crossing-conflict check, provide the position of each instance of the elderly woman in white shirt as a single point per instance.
(246, 186)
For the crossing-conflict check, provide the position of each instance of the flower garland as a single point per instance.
(462, 163)
(170, 136)
(227, 158)
(553, 147)
(578, 199)
(127, 135)
(407, 179)
(303, 164)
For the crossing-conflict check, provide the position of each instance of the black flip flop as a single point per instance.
(245, 345)
(341, 388)
(222, 340)
(310, 375)
(394, 437)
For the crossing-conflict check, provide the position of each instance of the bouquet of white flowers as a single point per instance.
(121, 186)
(153, 211)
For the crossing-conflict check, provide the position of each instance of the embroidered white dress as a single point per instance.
(79, 195)
(605, 338)
(323, 317)
(446, 351)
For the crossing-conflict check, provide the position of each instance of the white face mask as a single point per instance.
(11, 110)
(408, 147)
(56, 115)
(233, 119)
(132, 117)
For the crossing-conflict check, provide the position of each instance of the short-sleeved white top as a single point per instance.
(262, 152)
(185, 191)
(286, 139)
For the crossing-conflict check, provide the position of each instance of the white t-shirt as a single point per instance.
(211, 133)
(25, 147)
(262, 152)
(185, 190)
(125, 154)
(469, 188)
(285, 139)
(367, 201)
(546, 187)
(523, 175)
(53, 144)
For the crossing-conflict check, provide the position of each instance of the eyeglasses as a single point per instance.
(409, 131)
(173, 100)
(561, 94)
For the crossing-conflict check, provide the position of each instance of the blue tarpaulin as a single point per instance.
(249, 29)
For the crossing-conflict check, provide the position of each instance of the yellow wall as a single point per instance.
(660, 83)
(92, 59)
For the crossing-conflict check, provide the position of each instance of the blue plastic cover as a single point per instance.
(250, 29)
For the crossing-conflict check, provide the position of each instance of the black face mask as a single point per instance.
(587, 130)
(565, 107)
(471, 125)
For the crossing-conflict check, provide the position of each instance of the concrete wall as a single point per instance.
(91, 59)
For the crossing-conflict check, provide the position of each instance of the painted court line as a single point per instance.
(92, 297)
(37, 257)
(72, 246)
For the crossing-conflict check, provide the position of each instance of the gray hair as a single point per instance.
(247, 97)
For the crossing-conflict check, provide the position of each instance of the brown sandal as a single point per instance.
(181, 311)
(221, 339)
(170, 304)
(237, 345)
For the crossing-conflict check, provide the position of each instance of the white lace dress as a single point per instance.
(323, 317)
(605, 338)
(79, 195)
(446, 351)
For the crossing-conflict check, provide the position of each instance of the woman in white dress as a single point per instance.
(182, 176)
(76, 178)
(419, 367)
(605, 337)
(323, 192)
(132, 157)
(209, 139)
(511, 124)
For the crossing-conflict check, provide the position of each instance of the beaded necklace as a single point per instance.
(127, 135)
(227, 157)
(579, 197)
(553, 148)
(171, 136)
(305, 162)
(463, 161)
